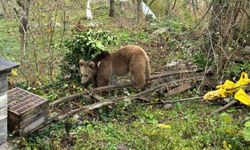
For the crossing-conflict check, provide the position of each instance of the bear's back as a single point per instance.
(127, 52)
(121, 58)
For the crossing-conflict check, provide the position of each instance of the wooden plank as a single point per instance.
(28, 114)
(13, 122)
(23, 125)
(32, 125)
(179, 89)
(44, 106)
(33, 117)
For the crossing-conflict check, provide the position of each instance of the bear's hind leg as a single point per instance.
(138, 69)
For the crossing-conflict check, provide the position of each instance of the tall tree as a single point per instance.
(112, 8)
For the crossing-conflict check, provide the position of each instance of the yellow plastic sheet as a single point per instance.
(230, 88)
(213, 95)
(243, 79)
(242, 96)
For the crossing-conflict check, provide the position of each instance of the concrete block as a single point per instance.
(3, 100)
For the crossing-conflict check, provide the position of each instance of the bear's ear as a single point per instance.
(91, 64)
(81, 62)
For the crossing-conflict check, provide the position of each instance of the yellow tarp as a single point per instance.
(242, 96)
(230, 88)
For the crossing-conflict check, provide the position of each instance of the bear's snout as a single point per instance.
(84, 80)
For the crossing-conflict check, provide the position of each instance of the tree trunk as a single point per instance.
(112, 8)
(23, 14)
(139, 10)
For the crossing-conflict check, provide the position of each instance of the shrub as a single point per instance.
(84, 45)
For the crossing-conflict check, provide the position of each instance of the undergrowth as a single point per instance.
(134, 125)
(144, 127)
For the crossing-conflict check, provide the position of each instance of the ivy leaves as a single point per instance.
(89, 43)
(84, 45)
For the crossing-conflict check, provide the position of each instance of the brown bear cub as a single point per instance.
(130, 58)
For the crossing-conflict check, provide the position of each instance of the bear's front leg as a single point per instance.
(102, 81)
(103, 74)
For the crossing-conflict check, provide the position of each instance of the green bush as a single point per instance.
(234, 69)
(84, 45)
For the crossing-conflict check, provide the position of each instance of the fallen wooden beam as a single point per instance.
(114, 100)
(112, 87)
(179, 89)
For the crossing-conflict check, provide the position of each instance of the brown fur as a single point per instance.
(130, 58)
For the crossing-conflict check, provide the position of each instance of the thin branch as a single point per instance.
(224, 107)
(174, 5)
(176, 101)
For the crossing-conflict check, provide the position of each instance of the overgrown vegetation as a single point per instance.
(129, 124)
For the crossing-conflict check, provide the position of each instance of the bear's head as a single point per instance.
(87, 70)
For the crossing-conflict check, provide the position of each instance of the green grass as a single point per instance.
(9, 46)
(188, 126)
